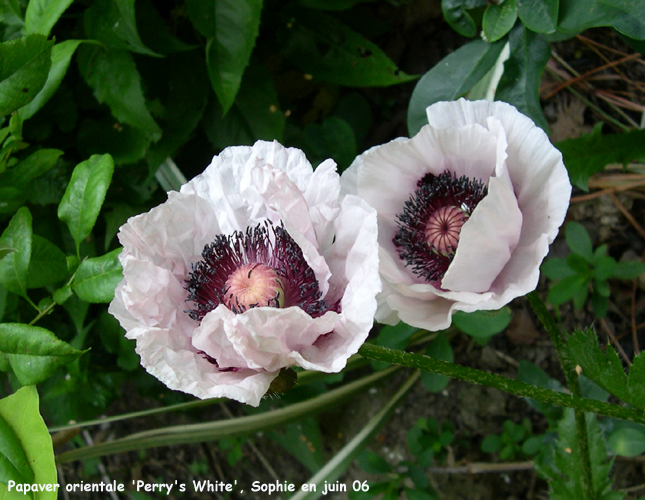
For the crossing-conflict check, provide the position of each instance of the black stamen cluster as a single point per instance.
(433, 192)
(262, 244)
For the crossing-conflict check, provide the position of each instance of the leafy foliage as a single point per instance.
(585, 267)
(562, 464)
(606, 369)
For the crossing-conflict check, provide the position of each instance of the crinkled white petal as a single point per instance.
(171, 359)
(506, 237)
(238, 355)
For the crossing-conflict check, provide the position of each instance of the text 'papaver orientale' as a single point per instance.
(252, 267)
(466, 209)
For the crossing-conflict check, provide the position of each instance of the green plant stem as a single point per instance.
(558, 339)
(42, 313)
(505, 384)
(241, 426)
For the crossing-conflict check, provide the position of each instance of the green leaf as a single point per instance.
(61, 56)
(438, 348)
(154, 31)
(604, 267)
(255, 114)
(303, 441)
(24, 65)
(184, 106)
(233, 26)
(451, 78)
(628, 270)
(579, 241)
(568, 288)
(20, 411)
(556, 268)
(606, 369)
(627, 442)
(331, 4)
(35, 165)
(530, 373)
(42, 15)
(333, 138)
(499, 19)
(125, 144)
(48, 265)
(520, 81)
(491, 444)
(590, 153)
(14, 465)
(455, 13)
(373, 463)
(626, 16)
(344, 458)
(540, 16)
(323, 47)
(33, 352)
(115, 80)
(482, 324)
(395, 337)
(84, 196)
(97, 278)
(5, 250)
(562, 466)
(113, 23)
(15, 265)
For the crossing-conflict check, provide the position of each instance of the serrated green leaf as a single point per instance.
(14, 465)
(590, 153)
(255, 114)
(113, 23)
(540, 16)
(114, 77)
(61, 56)
(84, 196)
(48, 264)
(606, 369)
(35, 165)
(628, 270)
(20, 411)
(438, 348)
(33, 352)
(41, 15)
(499, 19)
(579, 241)
(5, 250)
(24, 66)
(520, 81)
(451, 78)
(563, 468)
(482, 324)
(323, 47)
(233, 26)
(15, 265)
(627, 442)
(97, 278)
(455, 13)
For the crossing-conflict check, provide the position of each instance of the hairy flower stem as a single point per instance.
(505, 384)
(558, 339)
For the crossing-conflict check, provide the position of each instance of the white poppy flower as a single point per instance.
(252, 267)
(466, 209)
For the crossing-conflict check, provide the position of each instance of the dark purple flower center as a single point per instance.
(262, 267)
(431, 222)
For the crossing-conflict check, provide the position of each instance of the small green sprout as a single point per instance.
(586, 269)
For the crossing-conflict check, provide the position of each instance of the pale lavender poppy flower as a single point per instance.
(466, 209)
(252, 267)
